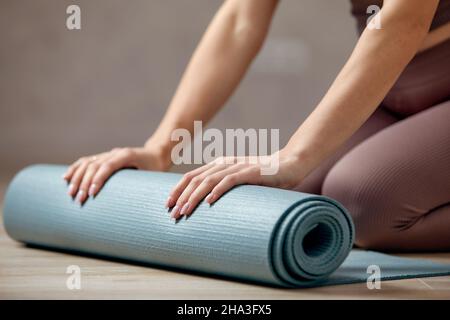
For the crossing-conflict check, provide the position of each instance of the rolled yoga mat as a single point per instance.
(252, 233)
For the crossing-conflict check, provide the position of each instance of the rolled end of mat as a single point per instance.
(311, 241)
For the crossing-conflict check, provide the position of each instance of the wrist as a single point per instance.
(162, 151)
(301, 159)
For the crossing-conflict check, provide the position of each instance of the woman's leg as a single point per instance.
(378, 121)
(396, 184)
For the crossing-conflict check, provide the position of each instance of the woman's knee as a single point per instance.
(389, 182)
(363, 196)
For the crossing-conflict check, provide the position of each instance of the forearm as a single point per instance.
(232, 40)
(377, 61)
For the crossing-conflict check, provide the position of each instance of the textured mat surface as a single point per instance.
(253, 233)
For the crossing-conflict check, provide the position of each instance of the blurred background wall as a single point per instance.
(65, 93)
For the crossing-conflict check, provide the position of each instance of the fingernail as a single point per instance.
(210, 198)
(64, 176)
(92, 190)
(185, 209)
(169, 202)
(70, 190)
(80, 196)
(175, 212)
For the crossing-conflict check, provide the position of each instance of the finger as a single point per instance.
(85, 186)
(200, 193)
(183, 183)
(181, 203)
(206, 181)
(249, 175)
(71, 170)
(108, 166)
(76, 179)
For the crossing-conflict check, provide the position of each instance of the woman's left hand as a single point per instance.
(214, 179)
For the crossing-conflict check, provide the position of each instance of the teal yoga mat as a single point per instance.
(252, 233)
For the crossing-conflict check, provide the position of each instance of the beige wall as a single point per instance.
(68, 93)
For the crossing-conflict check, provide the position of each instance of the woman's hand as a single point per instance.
(216, 178)
(87, 175)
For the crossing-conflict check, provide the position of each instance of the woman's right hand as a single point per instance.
(87, 175)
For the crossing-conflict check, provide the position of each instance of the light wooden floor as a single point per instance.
(37, 274)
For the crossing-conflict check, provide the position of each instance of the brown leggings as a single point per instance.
(394, 178)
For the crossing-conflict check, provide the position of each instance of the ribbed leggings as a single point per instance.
(393, 176)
